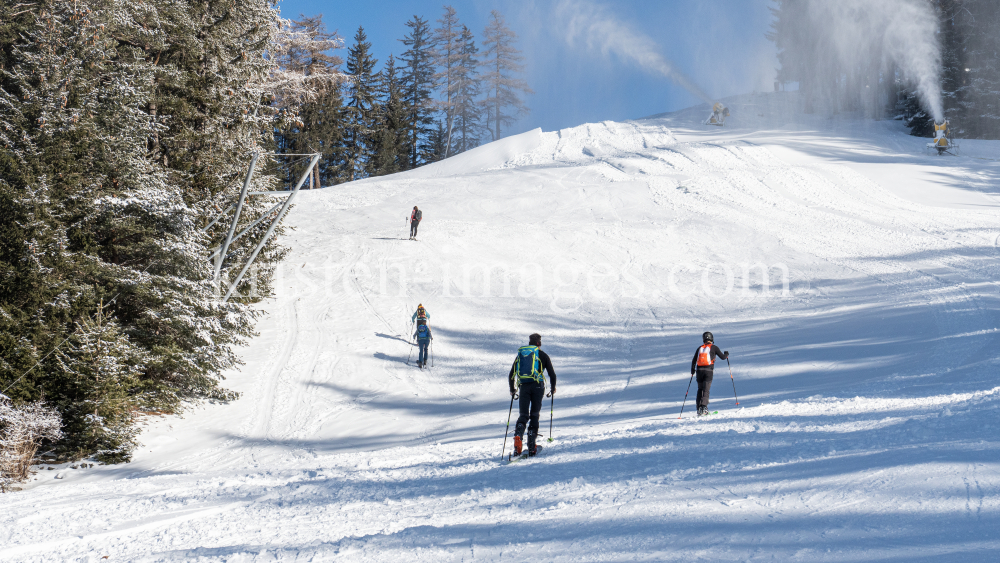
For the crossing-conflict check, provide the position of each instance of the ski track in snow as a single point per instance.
(867, 422)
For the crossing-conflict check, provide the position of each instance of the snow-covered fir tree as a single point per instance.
(102, 369)
(126, 126)
(311, 91)
(126, 130)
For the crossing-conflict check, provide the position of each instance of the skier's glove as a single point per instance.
(726, 352)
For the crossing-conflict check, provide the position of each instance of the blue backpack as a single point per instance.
(423, 333)
(529, 364)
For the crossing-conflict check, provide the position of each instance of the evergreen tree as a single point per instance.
(216, 83)
(210, 93)
(963, 25)
(467, 109)
(123, 126)
(29, 245)
(104, 368)
(361, 110)
(800, 48)
(978, 72)
(391, 133)
(435, 149)
(502, 61)
(417, 84)
(955, 29)
(324, 122)
(315, 98)
(15, 23)
(447, 58)
(834, 74)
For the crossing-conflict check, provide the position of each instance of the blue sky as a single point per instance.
(719, 44)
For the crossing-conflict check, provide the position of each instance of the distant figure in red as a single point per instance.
(414, 221)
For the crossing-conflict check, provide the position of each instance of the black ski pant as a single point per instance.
(413, 228)
(423, 350)
(704, 377)
(530, 404)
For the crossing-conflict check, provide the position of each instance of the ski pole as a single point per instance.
(552, 402)
(508, 426)
(686, 395)
(432, 353)
(410, 342)
(733, 380)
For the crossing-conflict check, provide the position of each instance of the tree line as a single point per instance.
(125, 128)
(126, 132)
(442, 96)
(849, 67)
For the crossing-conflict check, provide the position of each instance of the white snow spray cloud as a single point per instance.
(594, 26)
(867, 32)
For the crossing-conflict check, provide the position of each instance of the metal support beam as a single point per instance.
(270, 230)
(246, 230)
(220, 216)
(236, 217)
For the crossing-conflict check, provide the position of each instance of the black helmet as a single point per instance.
(707, 337)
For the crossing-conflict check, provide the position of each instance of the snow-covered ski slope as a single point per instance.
(866, 367)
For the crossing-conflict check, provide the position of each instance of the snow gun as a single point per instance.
(719, 114)
(943, 141)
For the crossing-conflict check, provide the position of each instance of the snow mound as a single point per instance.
(485, 157)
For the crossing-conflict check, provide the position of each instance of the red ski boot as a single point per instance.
(517, 445)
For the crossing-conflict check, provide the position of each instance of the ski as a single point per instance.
(511, 458)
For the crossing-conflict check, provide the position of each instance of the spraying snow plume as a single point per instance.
(851, 53)
(906, 31)
(594, 26)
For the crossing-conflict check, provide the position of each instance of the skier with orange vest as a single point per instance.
(704, 365)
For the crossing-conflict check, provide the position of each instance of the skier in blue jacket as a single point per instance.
(424, 337)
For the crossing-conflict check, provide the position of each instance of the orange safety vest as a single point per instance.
(705, 355)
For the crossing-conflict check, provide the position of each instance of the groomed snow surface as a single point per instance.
(865, 361)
